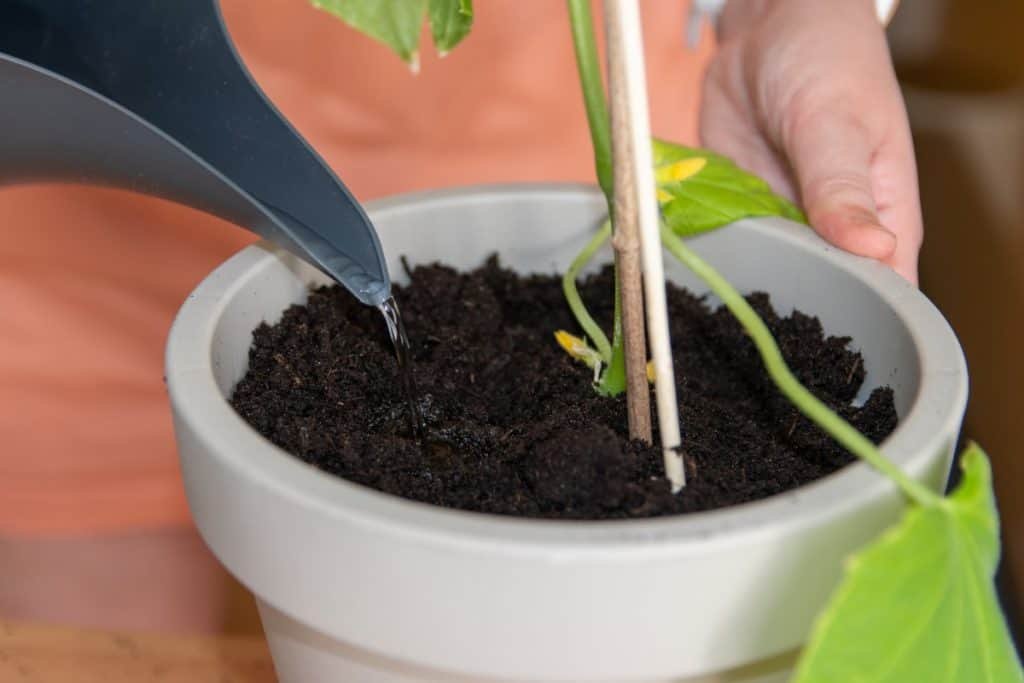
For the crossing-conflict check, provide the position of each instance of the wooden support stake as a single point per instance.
(628, 83)
(626, 239)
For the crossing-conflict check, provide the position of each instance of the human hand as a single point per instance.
(802, 93)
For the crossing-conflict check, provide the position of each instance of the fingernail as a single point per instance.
(867, 218)
(883, 240)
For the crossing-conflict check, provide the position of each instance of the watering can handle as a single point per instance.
(151, 95)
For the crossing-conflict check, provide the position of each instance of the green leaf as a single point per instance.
(719, 193)
(919, 604)
(450, 21)
(396, 23)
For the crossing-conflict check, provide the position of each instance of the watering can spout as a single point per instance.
(151, 96)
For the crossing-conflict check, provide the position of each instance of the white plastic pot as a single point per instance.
(356, 585)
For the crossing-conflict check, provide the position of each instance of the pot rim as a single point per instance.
(934, 413)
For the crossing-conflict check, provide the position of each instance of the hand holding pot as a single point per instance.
(802, 92)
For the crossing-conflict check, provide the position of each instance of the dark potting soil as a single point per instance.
(512, 423)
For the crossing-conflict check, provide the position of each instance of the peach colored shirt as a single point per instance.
(85, 434)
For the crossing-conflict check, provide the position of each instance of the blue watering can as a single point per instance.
(150, 95)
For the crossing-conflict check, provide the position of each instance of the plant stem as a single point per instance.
(613, 382)
(588, 64)
(589, 67)
(572, 295)
(808, 404)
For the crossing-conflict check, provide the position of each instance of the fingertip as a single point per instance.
(856, 231)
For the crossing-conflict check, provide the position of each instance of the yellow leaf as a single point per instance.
(577, 348)
(680, 170)
(650, 371)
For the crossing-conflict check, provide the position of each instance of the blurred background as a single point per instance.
(961, 65)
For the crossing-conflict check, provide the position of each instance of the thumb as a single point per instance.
(831, 157)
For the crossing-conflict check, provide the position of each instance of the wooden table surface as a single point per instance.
(32, 653)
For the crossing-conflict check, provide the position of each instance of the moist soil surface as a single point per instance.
(512, 424)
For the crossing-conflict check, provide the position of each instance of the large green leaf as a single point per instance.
(919, 604)
(450, 21)
(717, 194)
(398, 23)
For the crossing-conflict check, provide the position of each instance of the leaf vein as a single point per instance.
(924, 619)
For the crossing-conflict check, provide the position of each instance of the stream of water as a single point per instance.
(400, 340)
